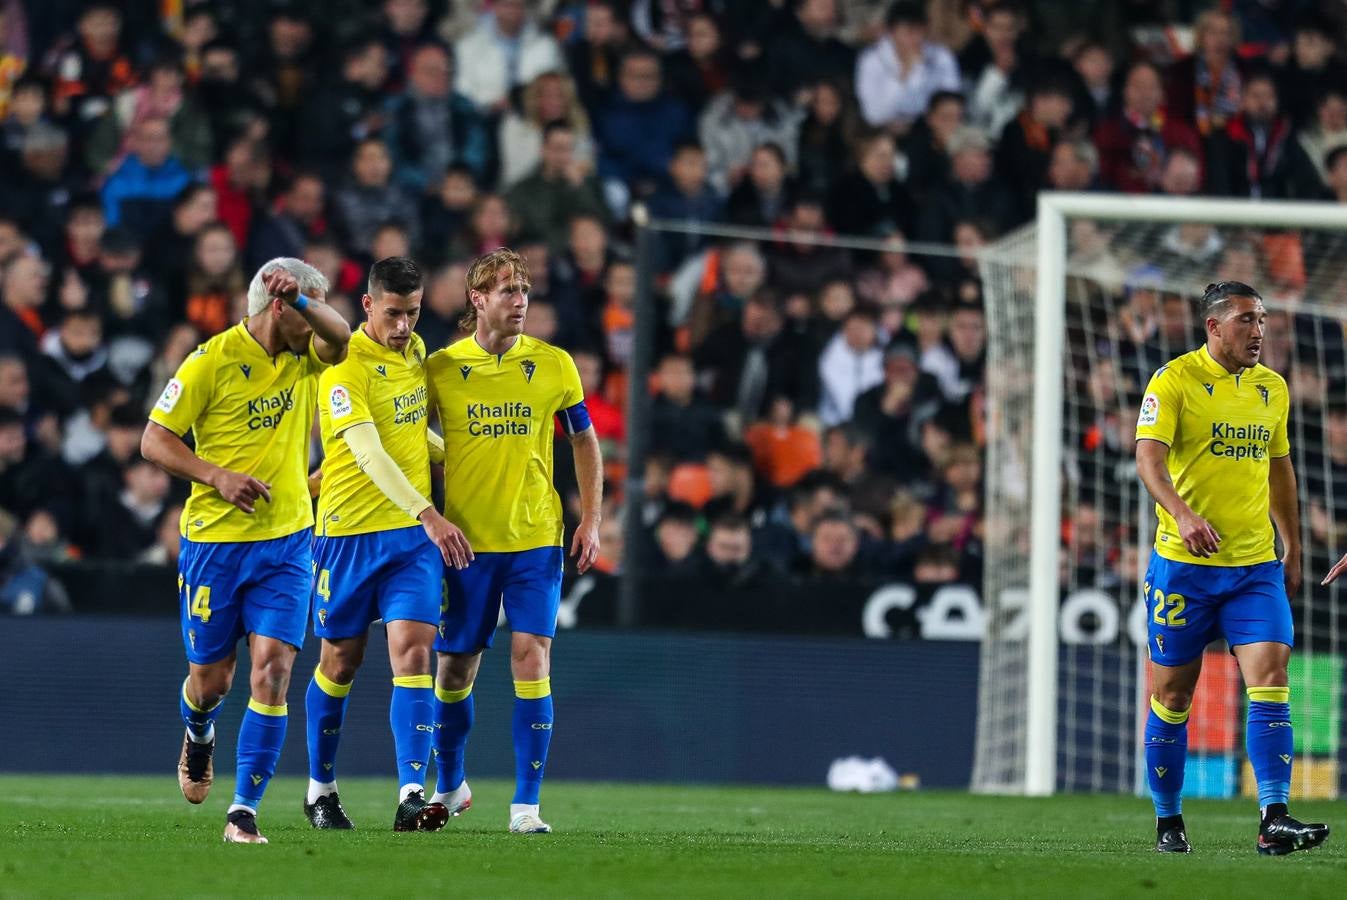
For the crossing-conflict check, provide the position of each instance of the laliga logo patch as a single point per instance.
(169, 398)
(339, 401)
(1150, 410)
(529, 367)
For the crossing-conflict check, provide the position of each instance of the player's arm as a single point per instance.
(589, 475)
(169, 452)
(374, 461)
(331, 333)
(435, 447)
(1285, 509)
(1197, 534)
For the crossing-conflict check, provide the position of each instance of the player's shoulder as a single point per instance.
(540, 348)
(1180, 366)
(447, 357)
(1261, 374)
(216, 350)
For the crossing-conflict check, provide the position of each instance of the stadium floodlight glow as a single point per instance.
(1049, 689)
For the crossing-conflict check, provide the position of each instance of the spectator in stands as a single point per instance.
(140, 191)
(688, 197)
(962, 369)
(296, 218)
(799, 263)
(826, 134)
(580, 270)
(676, 540)
(594, 58)
(345, 112)
(370, 198)
(807, 49)
(164, 95)
(37, 192)
(701, 71)
(129, 298)
(1204, 88)
(998, 69)
(727, 557)
(617, 313)
(845, 448)
(193, 209)
(442, 305)
(549, 98)
(954, 511)
(896, 76)
(891, 283)
(892, 412)
(231, 104)
(430, 127)
(851, 363)
(1327, 131)
(682, 424)
(15, 389)
(734, 489)
(1134, 144)
(32, 477)
(751, 358)
(25, 587)
(1025, 150)
(739, 271)
(637, 127)
(760, 198)
(971, 192)
(784, 451)
(406, 27)
(870, 200)
(926, 146)
(1313, 68)
(127, 528)
(560, 188)
(1093, 66)
(72, 353)
(167, 539)
(488, 228)
(739, 120)
(214, 279)
(45, 542)
(445, 212)
(505, 50)
(834, 544)
(89, 67)
(1337, 174)
(608, 418)
(1073, 166)
(1256, 154)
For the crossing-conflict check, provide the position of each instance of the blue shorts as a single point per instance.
(527, 582)
(385, 575)
(227, 590)
(1188, 606)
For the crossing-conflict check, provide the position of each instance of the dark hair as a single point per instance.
(359, 47)
(943, 96)
(398, 275)
(905, 12)
(729, 522)
(185, 195)
(678, 511)
(1262, 73)
(1220, 292)
(551, 127)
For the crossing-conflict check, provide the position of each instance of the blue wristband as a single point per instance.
(300, 302)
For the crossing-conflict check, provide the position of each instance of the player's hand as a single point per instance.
(315, 482)
(585, 543)
(1198, 536)
(448, 537)
(1291, 572)
(282, 285)
(1338, 568)
(241, 490)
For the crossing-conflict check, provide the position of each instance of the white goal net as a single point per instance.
(1081, 309)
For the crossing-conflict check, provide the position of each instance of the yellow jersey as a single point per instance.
(497, 414)
(379, 385)
(1221, 430)
(251, 413)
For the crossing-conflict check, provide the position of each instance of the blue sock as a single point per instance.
(200, 722)
(1166, 752)
(532, 735)
(411, 716)
(324, 710)
(260, 738)
(454, 714)
(1271, 743)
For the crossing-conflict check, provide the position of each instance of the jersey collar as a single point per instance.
(373, 346)
(1211, 365)
(480, 351)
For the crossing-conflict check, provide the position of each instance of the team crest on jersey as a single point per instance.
(529, 367)
(382, 370)
(465, 371)
(247, 370)
(1209, 387)
(339, 400)
(416, 354)
(169, 398)
(1262, 390)
(1150, 410)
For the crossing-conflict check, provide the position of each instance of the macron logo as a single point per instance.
(465, 371)
(247, 370)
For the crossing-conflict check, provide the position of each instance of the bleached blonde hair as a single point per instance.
(311, 281)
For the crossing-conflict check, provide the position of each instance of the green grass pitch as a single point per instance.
(99, 836)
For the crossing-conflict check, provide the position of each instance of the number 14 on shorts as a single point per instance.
(200, 607)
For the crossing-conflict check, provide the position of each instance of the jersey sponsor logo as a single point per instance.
(169, 398)
(339, 401)
(1150, 410)
(1209, 387)
(268, 412)
(246, 369)
(381, 369)
(529, 367)
(1262, 390)
(516, 419)
(465, 371)
(1239, 441)
(410, 408)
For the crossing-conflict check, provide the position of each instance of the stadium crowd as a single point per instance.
(816, 412)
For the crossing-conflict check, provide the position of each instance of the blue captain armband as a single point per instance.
(575, 419)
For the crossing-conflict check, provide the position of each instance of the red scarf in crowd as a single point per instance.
(1256, 167)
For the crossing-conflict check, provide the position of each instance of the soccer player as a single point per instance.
(498, 393)
(247, 395)
(1212, 448)
(379, 544)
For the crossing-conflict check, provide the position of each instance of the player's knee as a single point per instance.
(530, 661)
(1174, 699)
(456, 671)
(414, 660)
(271, 677)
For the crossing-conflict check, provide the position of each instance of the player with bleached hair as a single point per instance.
(247, 395)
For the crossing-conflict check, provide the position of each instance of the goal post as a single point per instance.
(1034, 716)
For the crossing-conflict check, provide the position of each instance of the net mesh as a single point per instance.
(1130, 307)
